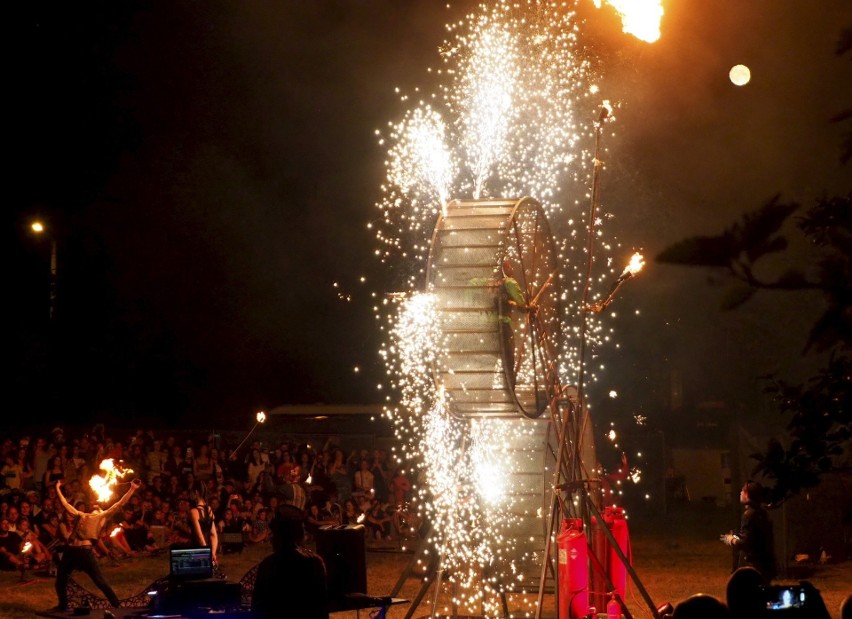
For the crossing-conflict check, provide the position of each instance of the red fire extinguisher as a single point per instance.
(616, 568)
(573, 570)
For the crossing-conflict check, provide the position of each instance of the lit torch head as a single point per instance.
(261, 417)
(637, 262)
(26, 548)
(115, 531)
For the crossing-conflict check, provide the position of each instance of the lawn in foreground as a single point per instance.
(671, 567)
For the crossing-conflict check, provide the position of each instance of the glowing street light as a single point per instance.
(39, 228)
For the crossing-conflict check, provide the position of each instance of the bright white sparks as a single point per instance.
(503, 122)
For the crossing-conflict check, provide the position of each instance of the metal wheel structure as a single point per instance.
(493, 270)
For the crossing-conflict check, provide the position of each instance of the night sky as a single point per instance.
(208, 170)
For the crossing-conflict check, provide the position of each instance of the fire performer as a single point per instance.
(79, 554)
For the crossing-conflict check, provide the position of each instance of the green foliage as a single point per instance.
(820, 409)
(737, 249)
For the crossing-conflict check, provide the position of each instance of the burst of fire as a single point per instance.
(637, 262)
(641, 18)
(103, 485)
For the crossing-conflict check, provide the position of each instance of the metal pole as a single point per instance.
(584, 302)
(52, 279)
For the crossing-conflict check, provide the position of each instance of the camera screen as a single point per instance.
(780, 598)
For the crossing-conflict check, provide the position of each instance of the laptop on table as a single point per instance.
(190, 563)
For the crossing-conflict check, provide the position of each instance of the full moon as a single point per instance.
(740, 75)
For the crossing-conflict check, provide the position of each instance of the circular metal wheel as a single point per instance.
(492, 269)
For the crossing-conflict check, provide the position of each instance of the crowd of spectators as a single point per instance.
(244, 489)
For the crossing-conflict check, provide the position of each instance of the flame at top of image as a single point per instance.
(103, 485)
(641, 18)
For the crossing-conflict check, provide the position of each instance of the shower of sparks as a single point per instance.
(511, 116)
(513, 90)
(641, 18)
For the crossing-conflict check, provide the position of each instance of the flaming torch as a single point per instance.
(103, 485)
(25, 549)
(259, 419)
(633, 267)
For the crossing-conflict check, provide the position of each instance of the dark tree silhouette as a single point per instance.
(819, 410)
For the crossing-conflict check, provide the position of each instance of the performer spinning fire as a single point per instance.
(79, 555)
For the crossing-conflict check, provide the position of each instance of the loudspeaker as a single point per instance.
(185, 597)
(343, 549)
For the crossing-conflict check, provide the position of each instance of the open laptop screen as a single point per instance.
(190, 563)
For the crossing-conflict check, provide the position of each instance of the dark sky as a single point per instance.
(209, 169)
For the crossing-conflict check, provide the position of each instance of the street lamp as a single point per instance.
(39, 228)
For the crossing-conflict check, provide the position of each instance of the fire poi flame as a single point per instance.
(115, 531)
(103, 485)
(641, 18)
(261, 417)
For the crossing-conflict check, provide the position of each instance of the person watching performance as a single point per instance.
(291, 582)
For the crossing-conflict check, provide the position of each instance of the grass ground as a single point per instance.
(672, 564)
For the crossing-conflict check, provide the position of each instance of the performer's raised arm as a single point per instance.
(68, 507)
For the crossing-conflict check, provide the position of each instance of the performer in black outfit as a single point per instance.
(79, 554)
(754, 542)
(291, 582)
(203, 522)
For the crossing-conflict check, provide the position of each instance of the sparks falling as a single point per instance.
(505, 120)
